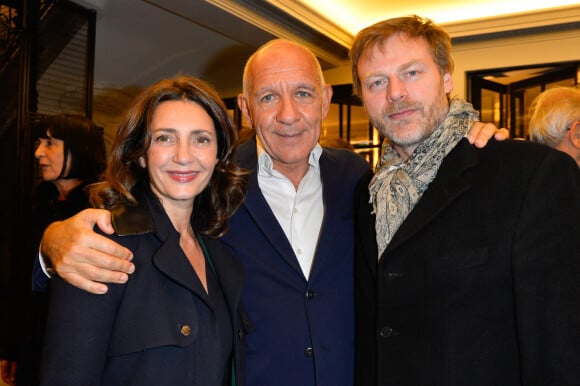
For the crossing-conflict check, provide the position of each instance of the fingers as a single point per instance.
(96, 275)
(83, 257)
(95, 259)
(100, 217)
(94, 264)
(87, 246)
(473, 131)
(502, 134)
(90, 271)
(480, 133)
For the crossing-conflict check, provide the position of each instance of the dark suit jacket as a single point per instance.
(302, 331)
(481, 283)
(146, 331)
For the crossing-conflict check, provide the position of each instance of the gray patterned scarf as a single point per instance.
(398, 185)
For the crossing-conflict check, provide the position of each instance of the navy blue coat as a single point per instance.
(145, 332)
(302, 331)
(480, 285)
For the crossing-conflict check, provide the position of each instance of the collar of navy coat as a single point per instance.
(258, 209)
(331, 174)
(149, 217)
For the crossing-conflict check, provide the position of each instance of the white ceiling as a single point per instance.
(141, 41)
(353, 15)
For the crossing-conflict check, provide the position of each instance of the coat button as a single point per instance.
(386, 332)
(240, 333)
(309, 352)
(392, 276)
(309, 294)
(185, 330)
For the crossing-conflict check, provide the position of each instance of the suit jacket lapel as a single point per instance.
(229, 271)
(259, 210)
(330, 181)
(445, 188)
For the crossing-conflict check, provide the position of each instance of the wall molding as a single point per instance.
(288, 23)
(529, 21)
(292, 18)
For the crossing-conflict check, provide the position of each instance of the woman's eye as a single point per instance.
(162, 138)
(202, 140)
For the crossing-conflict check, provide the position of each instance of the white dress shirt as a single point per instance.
(298, 211)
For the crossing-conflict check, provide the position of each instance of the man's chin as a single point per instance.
(402, 137)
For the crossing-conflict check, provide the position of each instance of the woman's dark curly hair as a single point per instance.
(226, 190)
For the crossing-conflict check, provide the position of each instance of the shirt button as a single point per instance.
(295, 210)
(309, 294)
(309, 352)
(386, 332)
(185, 330)
(299, 251)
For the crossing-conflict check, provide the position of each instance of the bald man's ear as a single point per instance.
(326, 98)
(243, 105)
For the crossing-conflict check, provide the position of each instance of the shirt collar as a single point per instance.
(265, 161)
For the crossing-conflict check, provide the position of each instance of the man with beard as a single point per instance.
(467, 259)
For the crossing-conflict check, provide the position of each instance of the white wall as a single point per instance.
(516, 51)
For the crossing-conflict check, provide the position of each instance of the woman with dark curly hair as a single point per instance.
(171, 186)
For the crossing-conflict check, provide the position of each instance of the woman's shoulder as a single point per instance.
(132, 220)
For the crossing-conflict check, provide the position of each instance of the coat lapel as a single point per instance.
(447, 186)
(366, 224)
(229, 271)
(331, 181)
(169, 258)
(258, 209)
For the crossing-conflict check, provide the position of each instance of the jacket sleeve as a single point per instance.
(546, 274)
(77, 334)
(39, 277)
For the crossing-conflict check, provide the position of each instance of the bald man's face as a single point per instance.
(286, 103)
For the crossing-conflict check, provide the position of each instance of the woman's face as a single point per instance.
(50, 156)
(183, 152)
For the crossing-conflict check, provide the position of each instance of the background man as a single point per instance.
(555, 120)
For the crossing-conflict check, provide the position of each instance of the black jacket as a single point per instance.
(143, 332)
(480, 284)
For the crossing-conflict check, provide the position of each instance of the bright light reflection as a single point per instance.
(352, 17)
